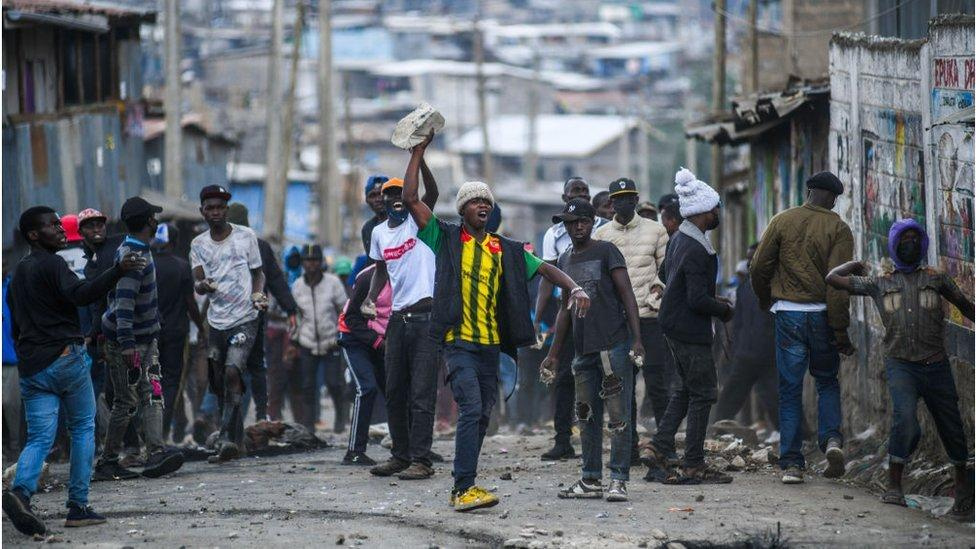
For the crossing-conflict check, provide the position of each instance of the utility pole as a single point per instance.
(350, 196)
(479, 60)
(329, 223)
(531, 156)
(754, 44)
(718, 88)
(288, 131)
(274, 188)
(172, 103)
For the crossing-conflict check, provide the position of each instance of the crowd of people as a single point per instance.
(627, 291)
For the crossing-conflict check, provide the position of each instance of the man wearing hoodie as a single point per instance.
(797, 250)
(374, 199)
(687, 307)
(909, 302)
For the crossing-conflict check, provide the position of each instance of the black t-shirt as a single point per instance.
(367, 231)
(173, 283)
(605, 324)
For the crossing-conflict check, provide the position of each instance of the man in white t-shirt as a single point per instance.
(226, 265)
(411, 354)
(554, 243)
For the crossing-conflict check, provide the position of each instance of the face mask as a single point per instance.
(910, 252)
(397, 216)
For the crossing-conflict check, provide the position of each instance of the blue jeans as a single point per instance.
(805, 341)
(67, 382)
(597, 389)
(472, 370)
(933, 383)
(366, 365)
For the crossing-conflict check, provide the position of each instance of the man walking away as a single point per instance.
(797, 250)
(226, 265)
(753, 355)
(554, 243)
(689, 303)
(482, 298)
(362, 342)
(320, 297)
(411, 357)
(177, 307)
(642, 242)
(606, 341)
(908, 300)
(131, 327)
(53, 365)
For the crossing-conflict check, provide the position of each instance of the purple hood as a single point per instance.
(894, 235)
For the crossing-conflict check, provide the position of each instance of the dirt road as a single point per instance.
(308, 499)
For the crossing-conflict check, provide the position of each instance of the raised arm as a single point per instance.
(955, 296)
(840, 276)
(85, 292)
(542, 301)
(420, 211)
(575, 295)
(431, 193)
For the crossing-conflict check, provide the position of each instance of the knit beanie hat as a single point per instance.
(471, 190)
(694, 196)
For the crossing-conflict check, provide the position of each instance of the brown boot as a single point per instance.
(390, 467)
(416, 471)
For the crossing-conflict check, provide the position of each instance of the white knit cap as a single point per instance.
(471, 190)
(694, 196)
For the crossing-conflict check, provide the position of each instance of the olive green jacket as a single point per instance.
(799, 247)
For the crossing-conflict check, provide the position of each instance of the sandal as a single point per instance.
(892, 497)
(700, 475)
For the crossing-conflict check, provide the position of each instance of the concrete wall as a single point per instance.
(886, 94)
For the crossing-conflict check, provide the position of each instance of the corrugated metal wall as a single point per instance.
(69, 163)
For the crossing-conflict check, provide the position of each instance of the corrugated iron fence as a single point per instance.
(69, 162)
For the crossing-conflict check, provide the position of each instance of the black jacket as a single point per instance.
(274, 278)
(689, 302)
(513, 304)
(44, 296)
(99, 261)
(753, 328)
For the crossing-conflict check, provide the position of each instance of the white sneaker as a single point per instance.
(617, 491)
(582, 489)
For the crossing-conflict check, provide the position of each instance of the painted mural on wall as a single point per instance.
(893, 175)
(953, 168)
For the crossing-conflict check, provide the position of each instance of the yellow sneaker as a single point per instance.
(474, 498)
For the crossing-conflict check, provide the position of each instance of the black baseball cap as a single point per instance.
(311, 251)
(575, 209)
(622, 186)
(137, 207)
(214, 191)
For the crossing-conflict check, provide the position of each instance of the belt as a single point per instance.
(414, 317)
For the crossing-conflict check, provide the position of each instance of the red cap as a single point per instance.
(70, 225)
